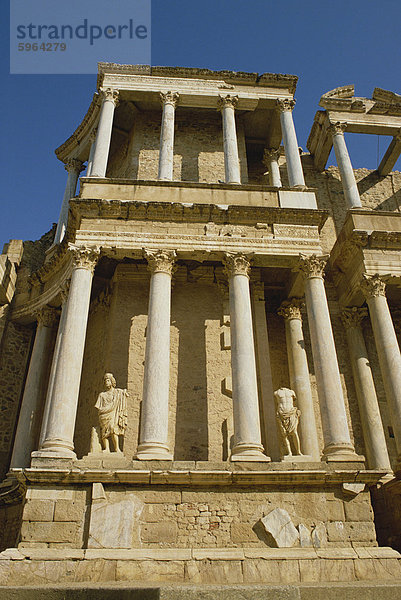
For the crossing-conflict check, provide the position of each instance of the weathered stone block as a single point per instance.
(39, 510)
(358, 511)
(279, 526)
(113, 525)
(150, 570)
(349, 532)
(242, 533)
(49, 532)
(159, 532)
(65, 510)
(273, 571)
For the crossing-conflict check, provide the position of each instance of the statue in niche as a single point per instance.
(288, 418)
(112, 410)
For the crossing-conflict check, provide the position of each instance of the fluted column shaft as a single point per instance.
(294, 165)
(336, 434)
(58, 440)
(299, 376)
(270, 160)
(227, 106)
(26, 437)
(372, 426)
(104, 129)
(166, 152)
(348, 181)
(153, 441)
(73, 167)
(388, 351)
(247, 438)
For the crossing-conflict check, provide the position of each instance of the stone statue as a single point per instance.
(288, 418)
(112, 409)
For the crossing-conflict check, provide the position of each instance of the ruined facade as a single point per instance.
(243, 302)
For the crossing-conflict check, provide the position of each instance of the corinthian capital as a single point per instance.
(337, 128)
(270, 154)
(169, 98)
(84, 257)
(110, 94)
(312, 266)
(291, 309)
(47, 316)
(236, 264)
(160, 261)
(73, 164)
(228, 101)
(373, 286)
(285, 104)
(353, 317)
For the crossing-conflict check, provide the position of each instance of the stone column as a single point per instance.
(153, 439)
(247, 438)
(350, 187)
(26, 437)
(92, 138)
(270, 160)
(166, 153)
(372, 426)
(294, 166)
(58, 440)
(73, 167)
(388, 351)
(103, 136)
(299, 376)
(227, 106)
(338, 445)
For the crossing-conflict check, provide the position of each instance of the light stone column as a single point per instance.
(58, 440)
(227, 106)
(270, 160)
(350, 187)
(73, 167)
(299, 375)
(247, 438)
(92, 138)
(166, 153)
(26, 437)
(388, 351)
(153, 439)
(338, 445)
(103, 136)
(294, 165)
(372, 426)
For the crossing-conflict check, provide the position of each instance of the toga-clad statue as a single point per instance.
(112, 410)
(288, 418)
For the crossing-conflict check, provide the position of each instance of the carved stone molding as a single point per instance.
(353, 317)
(228, 101)
(84, 257)
(73, 164)
(161, 261)
(93, 134)
(236, 264)
(373, 286)
(312, 266)
(285, 104)
(291, 309)
(337, 128)
(110, 94)
(47, 316)
(169, 98)
(270, 154)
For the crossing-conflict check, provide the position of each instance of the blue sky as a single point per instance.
(327, 44)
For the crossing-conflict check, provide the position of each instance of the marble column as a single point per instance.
(58, 442)
(73, 167)
(350, 187)
(103, 136)
(270, 160)
(294, 165)
(388, 351)
(299, 375)
(153, 439)
(92, 139)
(247, 437)
(338, 445)
(227, 106)
(372, 426)
(166, 153)
(26, 437)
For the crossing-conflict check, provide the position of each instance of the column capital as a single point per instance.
(291, 309)
(169, 98)
(236, 264)
(74, 164)
(270, 154)
(285, 104)
(227, 101)
(373, 286)
(312, 266)
(46, 316)
(337, 128)
(353, 316)
(111, 95)
(84, 257)
(161, 261)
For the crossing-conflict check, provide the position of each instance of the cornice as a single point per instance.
(72, 144)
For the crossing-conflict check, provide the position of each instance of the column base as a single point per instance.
(341, 453)
(248, 453)
(153, 451)
(298, 458)
(54, 452)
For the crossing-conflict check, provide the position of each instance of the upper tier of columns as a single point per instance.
(293, 158)
(348, 181)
